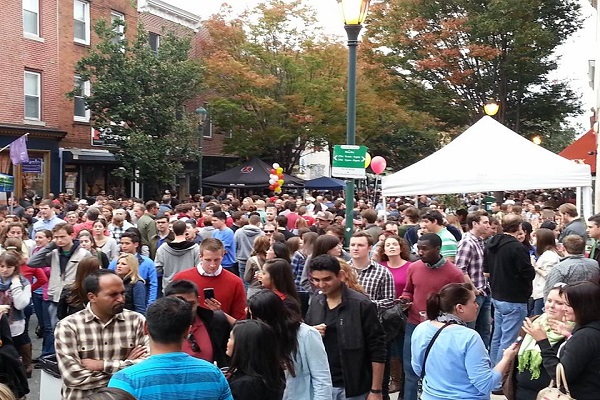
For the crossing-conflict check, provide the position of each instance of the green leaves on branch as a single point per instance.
(138, 98)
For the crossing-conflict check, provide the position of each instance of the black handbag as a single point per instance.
(393, 321)
(420, 382)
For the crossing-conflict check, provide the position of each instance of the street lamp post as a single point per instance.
(354, 13)
(202, 114)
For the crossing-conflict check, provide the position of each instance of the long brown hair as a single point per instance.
(85, 267)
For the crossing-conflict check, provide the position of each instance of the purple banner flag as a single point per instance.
(18, 150)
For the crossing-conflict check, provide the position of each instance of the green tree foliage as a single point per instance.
(137, 101)
(279, 86)
(449, 57)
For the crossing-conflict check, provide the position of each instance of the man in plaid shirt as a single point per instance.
(103, 338)
(469, 260)
(376, 279)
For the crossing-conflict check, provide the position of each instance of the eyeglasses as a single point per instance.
(193, 344)
(269, 231)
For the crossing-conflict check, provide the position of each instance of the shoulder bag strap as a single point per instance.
(561, 379)
(429, 347)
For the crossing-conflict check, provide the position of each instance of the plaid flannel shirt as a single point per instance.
(378, 283)
(298, 262)
(83, 335)
(469, 260)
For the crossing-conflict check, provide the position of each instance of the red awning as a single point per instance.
(579, 150)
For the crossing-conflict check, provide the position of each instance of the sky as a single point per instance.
(574, 54)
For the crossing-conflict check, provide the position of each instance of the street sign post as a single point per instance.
(348, 161)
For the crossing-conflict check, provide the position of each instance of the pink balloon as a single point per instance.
(378, 164)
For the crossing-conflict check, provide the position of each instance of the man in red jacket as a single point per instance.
(228, 288)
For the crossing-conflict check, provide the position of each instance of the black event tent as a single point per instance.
(251, 174)
(325, 183)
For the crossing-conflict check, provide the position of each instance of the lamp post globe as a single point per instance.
(491, 107)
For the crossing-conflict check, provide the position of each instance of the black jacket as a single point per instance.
(218, 330)
(361, 339)
(580, 357)
(12, 371)
(245, 387)
(510, 269)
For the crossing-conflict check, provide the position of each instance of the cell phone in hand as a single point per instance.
(209, 293)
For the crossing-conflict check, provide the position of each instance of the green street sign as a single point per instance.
(348, 161)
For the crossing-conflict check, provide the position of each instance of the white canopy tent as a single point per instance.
(490, 157)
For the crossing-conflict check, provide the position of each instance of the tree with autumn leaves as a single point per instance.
(278, 84)
(447, 58)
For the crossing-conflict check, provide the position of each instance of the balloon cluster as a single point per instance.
(276, 178)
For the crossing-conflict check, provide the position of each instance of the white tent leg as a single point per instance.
(384, 209)
(586, 201)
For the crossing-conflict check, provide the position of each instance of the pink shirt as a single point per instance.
(399, 275)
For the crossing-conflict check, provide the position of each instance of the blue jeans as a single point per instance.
(38, 307)
(410, 378)
(242, 271)
(483, 323)
(508, 318)
(50, 320)
(538, 307)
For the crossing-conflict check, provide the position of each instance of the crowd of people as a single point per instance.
(217, 297)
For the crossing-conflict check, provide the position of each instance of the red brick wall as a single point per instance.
(79, 135)
(18, 53)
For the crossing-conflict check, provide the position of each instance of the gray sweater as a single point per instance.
(244, 241)
(570, 270)
(175, 257)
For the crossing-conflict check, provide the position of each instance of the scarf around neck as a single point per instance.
(450, 319)
(530, 354)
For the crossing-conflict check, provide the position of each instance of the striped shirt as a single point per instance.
(378, 283)
(173, 376)
(83, 335)
(449, 246)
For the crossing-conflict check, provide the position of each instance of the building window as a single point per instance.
(33, 95)
(207, 129)
(82, 89)
(154, 40)
(81, 15)
(119, 30)
(31, 17)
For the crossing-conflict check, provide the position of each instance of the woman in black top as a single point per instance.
(580, 354)
(255, 372)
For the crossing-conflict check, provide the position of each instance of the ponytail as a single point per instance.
(433, 306)
(447, 298)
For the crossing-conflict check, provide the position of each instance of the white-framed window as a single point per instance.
(82, 89)
(81, 22)
(33, 95)
(154, 41)
(120, 29)
(31, 17)
(207, 129)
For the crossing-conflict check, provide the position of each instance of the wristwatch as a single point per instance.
(374, 391)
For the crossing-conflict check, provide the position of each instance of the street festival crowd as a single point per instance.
(218, 297)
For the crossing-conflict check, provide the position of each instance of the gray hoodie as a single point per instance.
(175, 257)
(244, 241)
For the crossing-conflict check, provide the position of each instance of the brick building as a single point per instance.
(40, 44)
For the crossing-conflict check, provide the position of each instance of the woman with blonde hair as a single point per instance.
(135, 287)
(255, 264)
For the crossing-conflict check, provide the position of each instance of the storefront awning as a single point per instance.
(75, 155)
